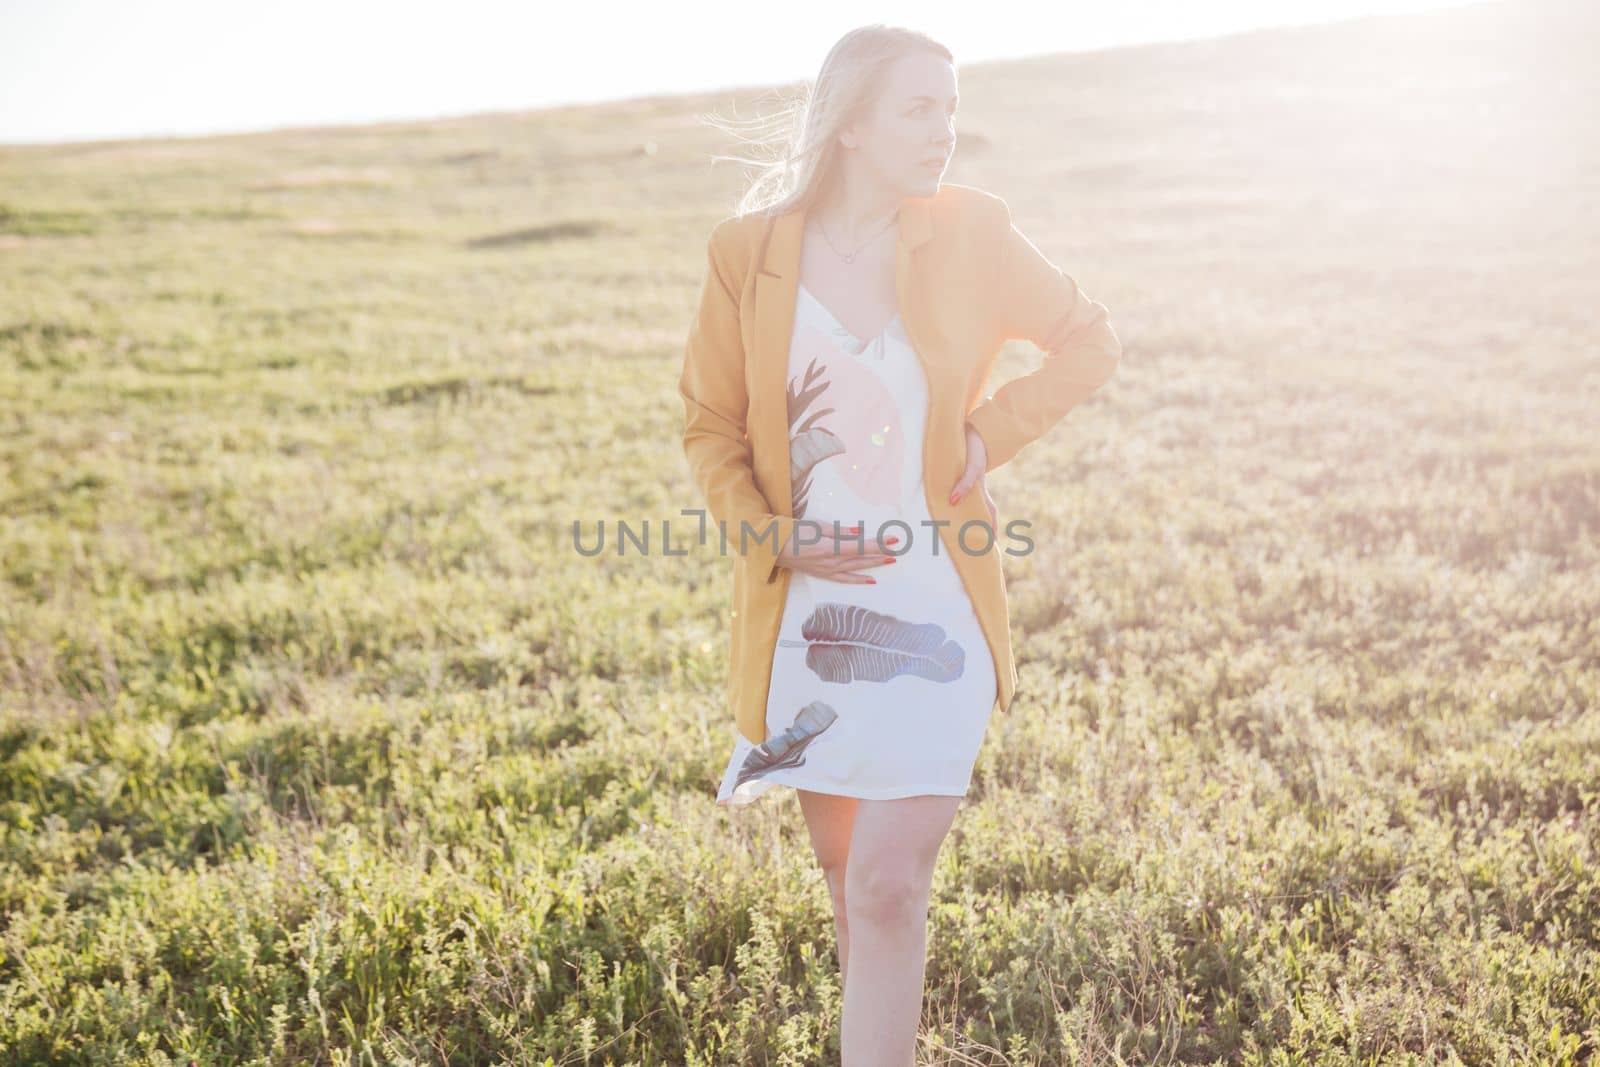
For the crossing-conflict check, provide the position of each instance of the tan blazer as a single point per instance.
(967, 281)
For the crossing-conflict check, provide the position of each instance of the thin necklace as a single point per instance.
(851, 258)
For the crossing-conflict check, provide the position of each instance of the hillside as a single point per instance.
(322, 744)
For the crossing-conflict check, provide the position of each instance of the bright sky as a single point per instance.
(73, 70)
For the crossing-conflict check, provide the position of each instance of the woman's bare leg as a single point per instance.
(829, 818)
(894, 844)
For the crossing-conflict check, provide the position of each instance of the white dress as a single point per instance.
(883, 690)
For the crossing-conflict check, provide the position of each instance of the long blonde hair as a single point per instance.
(798, 143)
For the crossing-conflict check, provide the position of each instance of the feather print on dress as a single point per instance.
(848, 642)
(788, 748)
(808, 444)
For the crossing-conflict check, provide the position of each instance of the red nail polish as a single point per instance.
(872, 581)
(892, 540)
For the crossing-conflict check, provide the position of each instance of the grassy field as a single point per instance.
(320, 743)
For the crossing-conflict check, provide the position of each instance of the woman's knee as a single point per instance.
(886, 894)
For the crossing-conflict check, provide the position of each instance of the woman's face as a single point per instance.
(909, 133)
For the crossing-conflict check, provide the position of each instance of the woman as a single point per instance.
(832, 382)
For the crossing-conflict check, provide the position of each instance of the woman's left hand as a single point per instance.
(977, 462)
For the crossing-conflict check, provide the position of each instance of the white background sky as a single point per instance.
(73, 70)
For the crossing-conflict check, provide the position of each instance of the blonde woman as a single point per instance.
(836, 425)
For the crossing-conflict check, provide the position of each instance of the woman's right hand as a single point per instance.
(838, 557)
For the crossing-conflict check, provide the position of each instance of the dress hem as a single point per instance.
(895, 792)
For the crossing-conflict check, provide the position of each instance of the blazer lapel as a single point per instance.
(777, 286)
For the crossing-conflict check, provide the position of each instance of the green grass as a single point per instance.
(320, 743)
